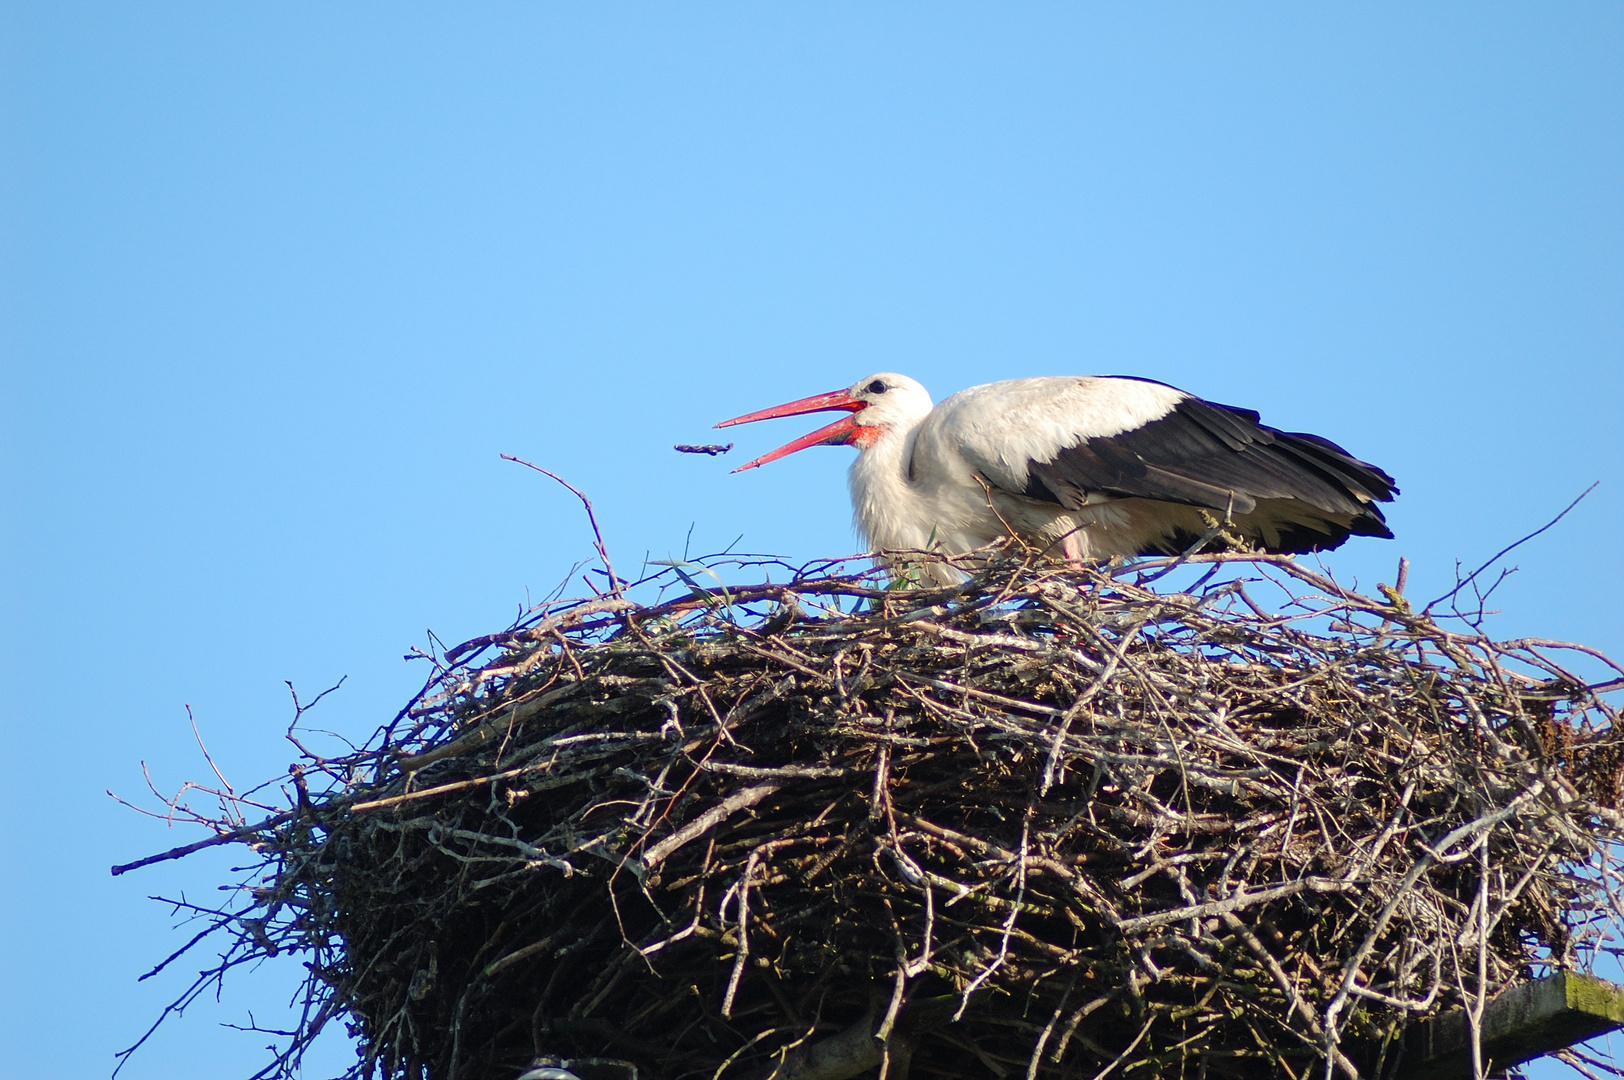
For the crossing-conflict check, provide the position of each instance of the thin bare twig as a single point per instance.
(615, 584)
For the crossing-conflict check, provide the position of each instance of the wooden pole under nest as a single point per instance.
(1525, 1022)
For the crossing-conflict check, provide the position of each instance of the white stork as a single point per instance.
(1088, 466)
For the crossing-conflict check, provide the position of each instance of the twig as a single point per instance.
(1491, 560)
(615, 583)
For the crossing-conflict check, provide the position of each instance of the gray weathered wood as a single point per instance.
(1524, 1022)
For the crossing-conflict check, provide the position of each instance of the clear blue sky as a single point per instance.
(279, 282)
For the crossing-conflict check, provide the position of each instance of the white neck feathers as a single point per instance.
(886, 505)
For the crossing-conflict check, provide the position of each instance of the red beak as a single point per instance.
(838, 433)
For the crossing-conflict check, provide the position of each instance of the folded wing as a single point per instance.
(1081, 442)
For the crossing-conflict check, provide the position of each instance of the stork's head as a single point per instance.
(878, 404)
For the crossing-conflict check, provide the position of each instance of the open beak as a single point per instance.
(838, 433)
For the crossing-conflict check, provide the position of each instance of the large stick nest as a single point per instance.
(1033, 825)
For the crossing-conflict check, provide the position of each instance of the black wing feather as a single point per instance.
(1222, 459)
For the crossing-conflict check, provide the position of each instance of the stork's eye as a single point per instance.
(876, 387)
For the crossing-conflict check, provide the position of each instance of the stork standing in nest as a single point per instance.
(1088, 467)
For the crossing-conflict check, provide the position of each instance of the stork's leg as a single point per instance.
(1073, 549)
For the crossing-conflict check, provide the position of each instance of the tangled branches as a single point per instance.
(1058, 824)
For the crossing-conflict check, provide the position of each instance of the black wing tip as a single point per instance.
(1376, 481)
(1385, 489)
(1371, 525)
(1305, 540)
